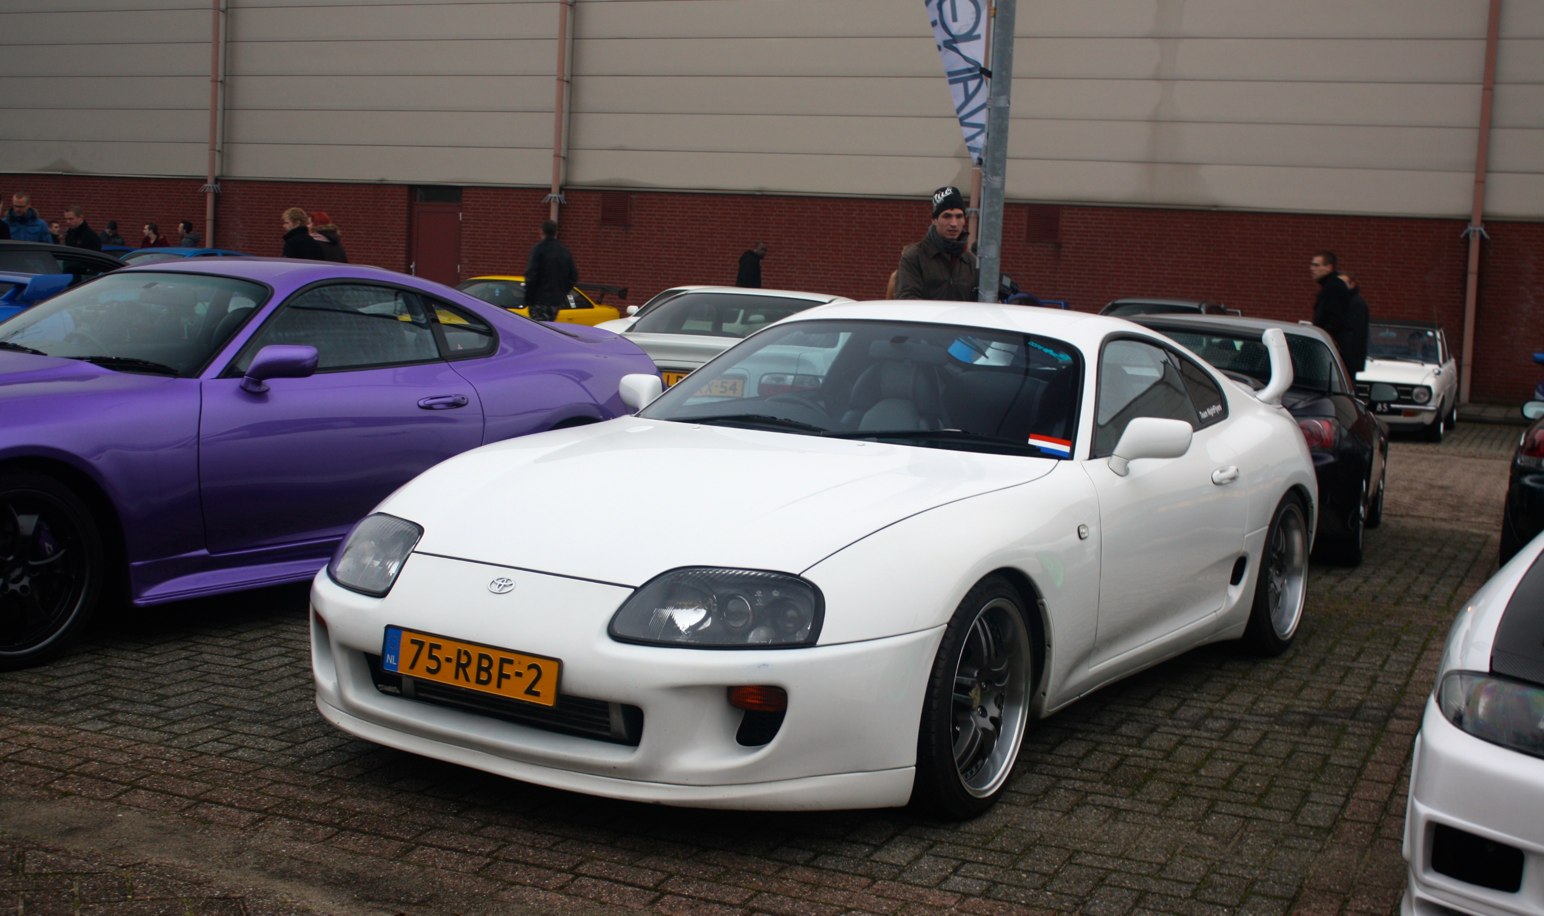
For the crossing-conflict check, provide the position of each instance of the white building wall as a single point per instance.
(1353, 106)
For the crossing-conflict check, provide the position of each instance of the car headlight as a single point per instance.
(1420, 394)
(372, 555)
(707, 608)
(1501, 711)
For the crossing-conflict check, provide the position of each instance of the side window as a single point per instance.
(465, 333)
(352, 326)
(1207, 398)
(1314, 365)
(80, 268)
(1137, 379)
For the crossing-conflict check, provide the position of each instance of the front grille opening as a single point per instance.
(759, 728)
(1476, 860)
(617, 723)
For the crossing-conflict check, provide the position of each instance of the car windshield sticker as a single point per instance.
(1059, 448)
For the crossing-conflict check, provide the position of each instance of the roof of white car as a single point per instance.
(1026, 319)
(758, 291)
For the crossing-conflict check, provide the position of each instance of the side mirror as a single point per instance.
(1533, 410)
(1149, 437)
(632, 310)
(638, 389)
(278, 361)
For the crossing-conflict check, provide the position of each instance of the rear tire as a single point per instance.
(52, 568)
(1281, 588)
(1375, 512)
(976, 709)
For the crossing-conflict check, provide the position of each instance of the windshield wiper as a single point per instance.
(7, 345)
(128, 364)
(953, 436)
(754, 419)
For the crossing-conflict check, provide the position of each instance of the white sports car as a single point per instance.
(860, 551)
(1474, 824)
(684, 327)
(1412, 356)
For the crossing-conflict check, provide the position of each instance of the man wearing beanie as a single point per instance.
(940, 266)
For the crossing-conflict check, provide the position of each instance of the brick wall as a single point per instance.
(1258, 262)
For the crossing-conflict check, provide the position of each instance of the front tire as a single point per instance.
(1281, 589)
(976, 709)
(52, 568)
(1438, 428)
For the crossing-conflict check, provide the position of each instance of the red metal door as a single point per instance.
(436, 240)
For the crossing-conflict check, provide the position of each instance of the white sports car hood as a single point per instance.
(1396, 372)
(625, 500)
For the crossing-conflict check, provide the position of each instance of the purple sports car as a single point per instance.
(181, 430)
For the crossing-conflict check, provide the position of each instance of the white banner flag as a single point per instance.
(959, 30)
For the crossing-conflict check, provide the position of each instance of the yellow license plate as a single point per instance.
(670, 378)
(515, 675)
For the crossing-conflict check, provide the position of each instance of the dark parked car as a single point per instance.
(215, 424)
(46, 258)
(1139, 305)
(1350, 446)
(1524, 514)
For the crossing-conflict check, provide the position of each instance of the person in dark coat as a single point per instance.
(940, 266)
(78, 233)
(1332, 305)
(1353, 348)
(111, 236)
(327, 235)
(750, 266)
(298, 242)
(549, 275)
(190, 239)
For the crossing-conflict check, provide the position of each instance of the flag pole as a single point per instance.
(995, 156)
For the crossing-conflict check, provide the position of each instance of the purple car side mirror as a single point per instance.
(278, 361)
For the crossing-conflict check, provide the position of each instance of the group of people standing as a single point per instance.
(22, 223)
(313, 236)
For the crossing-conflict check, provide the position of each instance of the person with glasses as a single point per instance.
(23, 222)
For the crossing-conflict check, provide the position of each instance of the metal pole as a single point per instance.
(1476, 230)
(995, 156)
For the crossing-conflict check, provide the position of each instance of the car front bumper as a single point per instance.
(1475, 816)
(847, 740)
(1407, 416)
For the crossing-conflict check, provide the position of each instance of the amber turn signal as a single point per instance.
(759, 698)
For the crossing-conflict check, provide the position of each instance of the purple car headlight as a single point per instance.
(710, 608)
(372, 555)
(1495, 709)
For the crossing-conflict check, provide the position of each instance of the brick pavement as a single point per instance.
(176, 764)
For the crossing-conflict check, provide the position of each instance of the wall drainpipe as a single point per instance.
(1476, 229)
(211, 188)
(560, 108)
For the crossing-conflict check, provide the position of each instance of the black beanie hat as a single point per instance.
(947, 197)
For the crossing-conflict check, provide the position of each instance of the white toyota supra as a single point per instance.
(857, 554)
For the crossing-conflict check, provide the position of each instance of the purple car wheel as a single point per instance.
(50, 567)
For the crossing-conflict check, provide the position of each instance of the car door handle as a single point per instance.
(1224, 476)
(444, 402)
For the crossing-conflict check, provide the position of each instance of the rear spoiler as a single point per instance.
(599, 291)
(1281, 367)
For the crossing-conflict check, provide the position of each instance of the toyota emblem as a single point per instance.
(503, 585)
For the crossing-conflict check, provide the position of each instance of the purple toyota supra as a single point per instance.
(185, 429)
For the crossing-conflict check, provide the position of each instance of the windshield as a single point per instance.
(1403, 342)
(940, 386)
(175, 321)
(710, 314)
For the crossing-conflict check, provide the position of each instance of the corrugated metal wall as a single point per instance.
(1333, 106)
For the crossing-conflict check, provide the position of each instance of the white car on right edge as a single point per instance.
(1413, 356)
(1474, 823)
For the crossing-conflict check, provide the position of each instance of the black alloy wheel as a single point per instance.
(51, 567)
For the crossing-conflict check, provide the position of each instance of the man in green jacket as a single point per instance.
(941, 266)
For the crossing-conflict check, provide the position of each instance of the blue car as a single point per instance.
(20, 290)
(154, 255)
